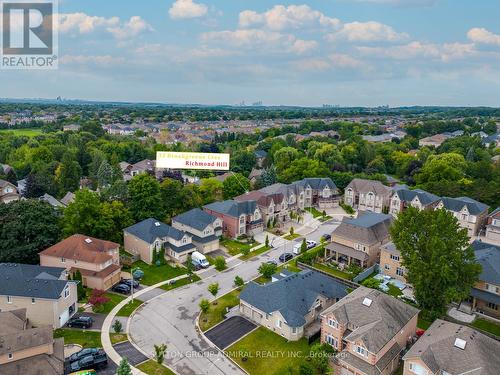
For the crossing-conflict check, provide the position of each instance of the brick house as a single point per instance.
(369, 329)
(493, 227)
(404, 197)
(97, 260)
(367, 195)
(390, 262)
(471, 214)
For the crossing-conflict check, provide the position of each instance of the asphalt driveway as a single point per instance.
(127, 350)
(230, 331)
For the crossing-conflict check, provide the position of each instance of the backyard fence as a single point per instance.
(348, 283)
(363, 275)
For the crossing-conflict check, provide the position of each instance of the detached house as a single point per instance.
(390, 262)
(260, 157)
(8, 192)
(403, 198)
(319, 192)
(493, 227)
(97, 260)
(148, 235)
(238, 218)
(369, 329)
(449, 348)
(46, 294)
(358, 241)
(205, 229)
(367, 195)
(291, 306)
(470, 213)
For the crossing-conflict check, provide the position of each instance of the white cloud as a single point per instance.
(103, 60)
(187, 9)
(344, 61)
(481, 35)
(302, 46)
(292, 17)
(367, 32)
(135, 26)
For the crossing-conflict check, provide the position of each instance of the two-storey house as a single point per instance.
(45, 292)
(318, 192)
(367, 195)
(493, 227)
(238, 218)
(358, 240)
(471, 214)
(97, 260)
(205, 229)
(369, 329)
(390, 262)
(8, 192)
(403, 198)
(145, 237)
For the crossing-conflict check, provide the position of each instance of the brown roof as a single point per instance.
(262, 198)
(365, 186)
(99, 274)
(82, 248)
(12, 321)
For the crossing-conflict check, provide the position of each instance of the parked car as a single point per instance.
(121, 288)
(285, 257)
(311, 244)
(130, 283)
(90, 362)
(272, 261)
(81, 322)
(199, 260)
(326, 237)
(297, 248)
(83, 353)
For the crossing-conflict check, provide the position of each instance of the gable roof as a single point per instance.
(260, 153)
(83, 248)
(150, 229)
(51, 200)
(68, 198)
(195, 218)
(233, 208)
(436, 348)
(365, 186)
(457, 204)
(26, 280)
(260, 197)
(316, 183)
(293, 296)
(488, 256)
(377, 323)
(368, 227)
(408, 195)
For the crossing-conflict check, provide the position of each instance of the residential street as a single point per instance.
(170, 318)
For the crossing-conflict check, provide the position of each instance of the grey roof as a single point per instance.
(195, 218)
(376, 324)
(280, 188)
(282, 274)
(457, 204)
(260, 153)
(26, 280)
(368, 227)
(408, 195)
(488, 256)
(233, 208)
(485, 295)
(390, 248)
(51, 200)
(346, 250)
(150, 229)
(204, 240)
(361, 185)
(317, 183)
(494, 212)
(436, 348)
(491, 138)
(292, 296)
(183, 248)
(68, 198)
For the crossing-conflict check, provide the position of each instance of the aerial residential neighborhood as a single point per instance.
(250, 188)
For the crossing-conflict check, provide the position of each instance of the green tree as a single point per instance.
(171, 190)
(211, 190)
(303, 246)
(124, 368)
(204, 305)
(235, 185)
(117, 326)
(242, 161)
(320, 355)
(213, 288)
(284, 157)
(437, 255)
(267, 240)
(114, 217)
(267, 269)
(220, 263)
(145, 198)
(26, 228)
(80, 289)
(68, 174)
(83, 214)
(238, 281)
(160, 351)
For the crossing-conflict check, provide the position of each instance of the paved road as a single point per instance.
(170, 318)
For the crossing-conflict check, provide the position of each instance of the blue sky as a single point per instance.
(346, 52)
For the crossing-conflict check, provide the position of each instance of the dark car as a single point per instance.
(326, 237)
(285, 257)
(81, 322)
(84, 353)
(90, 362)
(121, 288)
(130, 283)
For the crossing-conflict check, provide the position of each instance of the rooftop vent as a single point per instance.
(367, 302)
(157, 223)
(459, 343)
(88, 240)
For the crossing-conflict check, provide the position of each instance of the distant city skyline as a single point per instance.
(305, 53)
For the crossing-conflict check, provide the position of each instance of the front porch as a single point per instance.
(342, 254)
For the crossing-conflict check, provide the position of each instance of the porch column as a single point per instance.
(348, 261)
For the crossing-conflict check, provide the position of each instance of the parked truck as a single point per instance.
(199, 260)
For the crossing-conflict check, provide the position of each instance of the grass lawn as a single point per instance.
(266, 341)
(333, 271)
(235, 247)
(129, 308)
(423, 323)
(318, 214)
(256, 252)
(154, 274)
(291, 237)
(23, 132)
(394, 291)
(87, 339)
(216, 313)
(151, 367)
(487, 325)
(118, 337)
(180, 282)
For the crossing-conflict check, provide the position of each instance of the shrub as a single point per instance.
(124, 368)
(238, 281)
(204, 305)
(98, 299)
(117, 326)
(220, 263)
(267, 240)
(213, 289)
(371, 283)
(160, 353)
(306, 369)
(267, 269)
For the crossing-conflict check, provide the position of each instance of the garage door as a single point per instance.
(63, 318)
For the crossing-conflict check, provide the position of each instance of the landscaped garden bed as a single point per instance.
(218, 309)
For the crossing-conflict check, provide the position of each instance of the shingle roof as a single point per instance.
(260, 153)
(365, 186)
(408, 195)
(233, 208)
(377, 323)
(26, 280)
(457, 204)
(436, 348)
(51, 200)
(150, 229)
(317, 183)
(368, 227)
(195, 218)
(488, 256)
(68, 198)
(292, 296)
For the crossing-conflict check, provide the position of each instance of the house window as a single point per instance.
(66, 292)
(32, 300)
(399, 271)
(294, 329)
(361, 351)
(395, 257)
(278, 323)
(387, 267)
(492, 288)
(63, 260)
(9, 299)
(332, 341)
(10, 356)
(492, 306)
(333, 323)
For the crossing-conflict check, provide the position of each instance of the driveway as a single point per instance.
(230, 331)
(127, 350)
(98, 319)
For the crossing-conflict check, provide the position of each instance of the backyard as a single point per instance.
(333, 271)
(217, 309)
(87, 339)
(487, 325)
(235, 247)
(154, 274)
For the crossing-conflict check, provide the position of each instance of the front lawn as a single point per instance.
(151, 367)
(218, 309)
(256, 252)
(487, 325)
(181, 282)
(118, 337)
(318, 214)
(129, 308)
(154, 274)
(235, 247)
(291, 237)
(259, 346)
(333, 271)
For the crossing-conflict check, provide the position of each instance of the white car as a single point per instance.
(311, 244)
